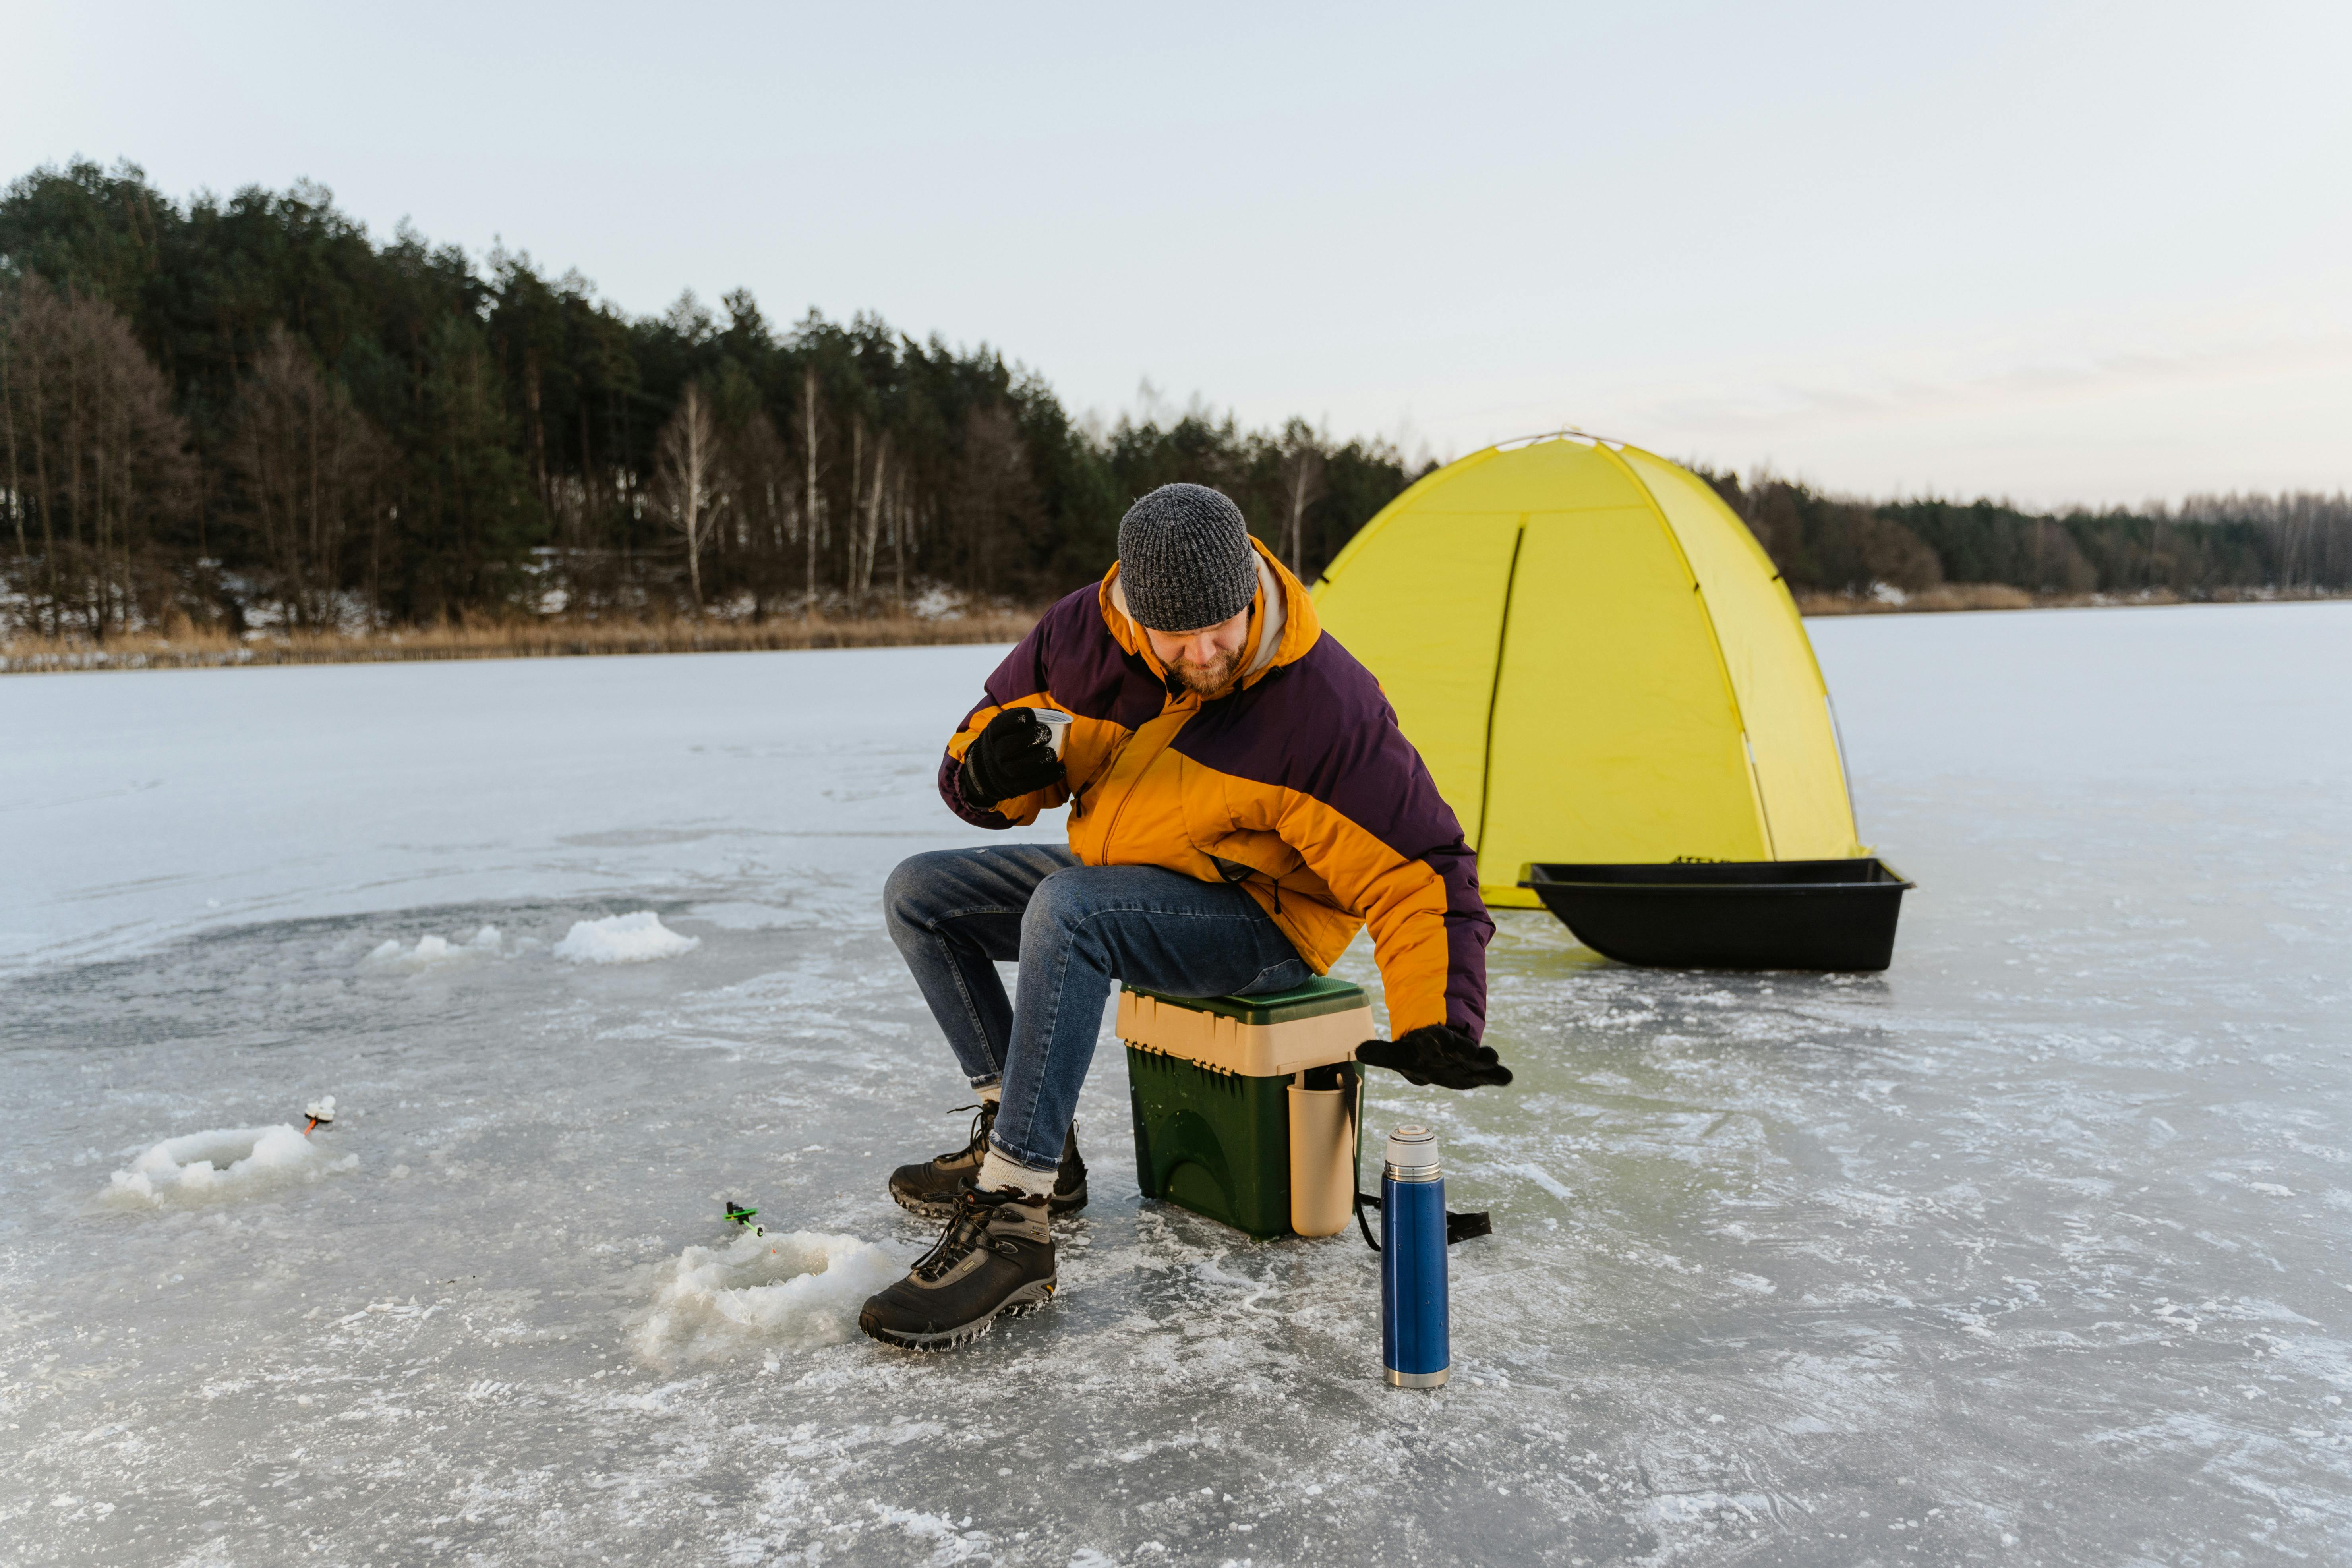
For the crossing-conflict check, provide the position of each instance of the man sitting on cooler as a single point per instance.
(1242, 803)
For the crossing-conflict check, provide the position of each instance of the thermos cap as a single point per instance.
(1412, 1148)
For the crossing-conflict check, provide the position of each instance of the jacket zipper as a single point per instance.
(1120, 810)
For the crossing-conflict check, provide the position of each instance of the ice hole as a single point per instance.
(792, 1291)
(220, 1164)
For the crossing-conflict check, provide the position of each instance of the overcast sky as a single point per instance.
(2063, 253)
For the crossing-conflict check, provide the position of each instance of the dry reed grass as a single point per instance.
(2001, 597)
(1948, 597)
(182, 647)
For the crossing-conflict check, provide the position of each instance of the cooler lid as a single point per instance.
(1320, 995)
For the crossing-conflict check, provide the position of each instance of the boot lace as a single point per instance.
(965, 1232)
(984, 1116)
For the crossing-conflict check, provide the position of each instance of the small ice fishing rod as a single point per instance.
(738, 1215)
(322, 1112)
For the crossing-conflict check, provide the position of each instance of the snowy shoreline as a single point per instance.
(264, 651)
(24, 655)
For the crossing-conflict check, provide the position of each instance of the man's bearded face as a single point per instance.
(1206, 662)
(1210, 679)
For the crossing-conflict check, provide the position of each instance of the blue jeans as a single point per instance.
(956, 912)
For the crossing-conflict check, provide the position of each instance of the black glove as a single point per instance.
(1012, 756)
(1439, 1054)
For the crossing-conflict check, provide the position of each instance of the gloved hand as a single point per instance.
(1439, 1054)
(1012, 756)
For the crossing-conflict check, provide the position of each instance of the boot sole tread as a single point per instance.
(1023, 1302)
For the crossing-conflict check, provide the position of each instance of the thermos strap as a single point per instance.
(1458, 1226)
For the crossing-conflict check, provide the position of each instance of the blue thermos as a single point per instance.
(1414, 1348)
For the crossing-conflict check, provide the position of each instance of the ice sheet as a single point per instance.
(191, 804)
(2031, 1250)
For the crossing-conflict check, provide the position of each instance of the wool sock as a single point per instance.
(998, 1174)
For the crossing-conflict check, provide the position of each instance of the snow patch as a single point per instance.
(433, 951)
(220, 1164)
(791, 1291)
(637, 938)
(949, 1542)
(935, 603)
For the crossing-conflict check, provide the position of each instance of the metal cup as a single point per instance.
(1057, 726)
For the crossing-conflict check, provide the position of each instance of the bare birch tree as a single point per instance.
(686, 479)
(857, 474)
(813, 502)
(869, 538)
(900, 520)
(13, 498)
(1302, 484)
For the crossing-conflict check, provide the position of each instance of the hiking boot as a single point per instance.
(930, 1188)
(996, 1257)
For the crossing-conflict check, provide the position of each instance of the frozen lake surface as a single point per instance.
(2031, 1249)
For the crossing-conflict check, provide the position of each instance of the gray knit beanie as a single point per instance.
(1184, 559)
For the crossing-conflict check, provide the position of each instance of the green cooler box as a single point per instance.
(1245, 1106)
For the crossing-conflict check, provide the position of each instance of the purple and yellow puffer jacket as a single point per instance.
(1298, 785)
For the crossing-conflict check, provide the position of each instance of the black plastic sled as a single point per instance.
(1730, 914)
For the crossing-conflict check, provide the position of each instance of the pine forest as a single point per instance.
(246, 414)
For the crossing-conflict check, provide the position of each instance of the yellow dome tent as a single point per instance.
(1597, 661)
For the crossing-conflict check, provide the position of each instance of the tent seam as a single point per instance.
(1494, 686)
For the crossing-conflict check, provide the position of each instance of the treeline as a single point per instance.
(248, 412)
(245, 412)
(2207, 545)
